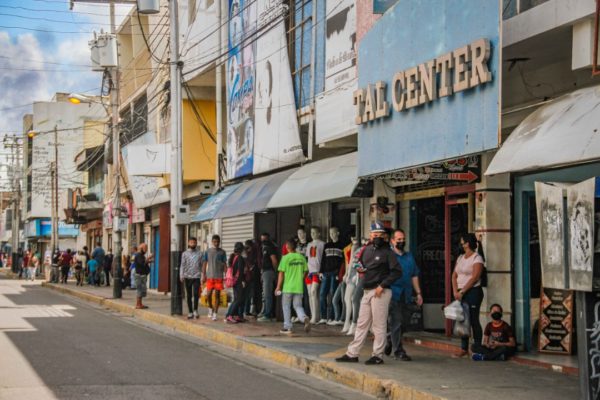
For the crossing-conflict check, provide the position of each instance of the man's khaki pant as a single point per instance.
(373, 312)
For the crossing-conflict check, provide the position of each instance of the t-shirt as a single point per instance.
(333, 257)
(499, 334)
(293, 266)
(66, 259)
(314, 253)
(268, 250)
(92, 265)
(216, 260)
(141, 266)
(402, 289)
(464, 269)
(98, 255)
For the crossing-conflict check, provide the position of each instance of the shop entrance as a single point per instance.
(436, 224)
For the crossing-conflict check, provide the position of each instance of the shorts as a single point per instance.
(311, 278)
(141, 285)
(214, 284)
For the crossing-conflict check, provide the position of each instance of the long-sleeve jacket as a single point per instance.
(191, 264)
(382, 267)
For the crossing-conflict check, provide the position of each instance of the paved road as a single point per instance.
(54, 347)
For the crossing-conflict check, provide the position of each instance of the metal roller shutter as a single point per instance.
(236, 229)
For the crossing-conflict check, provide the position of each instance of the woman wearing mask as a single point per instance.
(238, 265)
(466, 286)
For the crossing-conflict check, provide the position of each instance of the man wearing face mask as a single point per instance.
(189, 273)
(498, 339)
(381, 270)
(402, 295)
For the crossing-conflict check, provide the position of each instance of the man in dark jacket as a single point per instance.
(381, 269)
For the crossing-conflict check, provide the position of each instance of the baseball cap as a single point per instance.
(377, 226)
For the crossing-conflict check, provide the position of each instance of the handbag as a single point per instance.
(230, 279)
(454, 311)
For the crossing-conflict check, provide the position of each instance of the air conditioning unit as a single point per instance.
(207, 187)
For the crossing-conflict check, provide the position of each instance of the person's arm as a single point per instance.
(184, 261)
(280, 279)
(275, 261)
(486, 342)
(394, 275)
(417, 287)
(477, 270)
(457, 295)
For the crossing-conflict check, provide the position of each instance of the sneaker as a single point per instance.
(331, 322)
(402, 356)
(295, 320)
(374, 361)
(388, 349)
(477, 357)
(264, 319)
(230, 320)
(214, 317)
(347, 358)
(190, 316)
(209, 315)
(322, 321)
(195, 315)
(286, 331)
(239, 319)
(460, 354)
(306, 324)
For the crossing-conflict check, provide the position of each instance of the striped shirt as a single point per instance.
(191, 264)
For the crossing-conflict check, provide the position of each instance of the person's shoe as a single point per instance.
(285, 331)
(210, 313)
(239, 319)
(322, 321)
(214, 317)
(388, 348)
(307, 325)
(263, 319)
(460, 354)
(402, 356)
(351, 330)
(346, 328)
(374, 361)
(195, 315)
(477, 357)
(295, 320)
(347, 358)
(190, 316)
(230, 320)
(331, 322)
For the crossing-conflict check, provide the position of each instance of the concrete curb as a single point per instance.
(366, 383)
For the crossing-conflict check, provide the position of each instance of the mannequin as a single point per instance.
(350, 278)
(314, 253)
(302, 242)
(358, 290)
(333, 259)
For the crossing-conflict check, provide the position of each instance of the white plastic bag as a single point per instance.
(454, 311)
(463, 328)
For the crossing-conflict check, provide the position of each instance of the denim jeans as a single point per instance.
(328, 285)
(338, 302)
(473, 299)
(288, 299)
(397, 322)
(268, 279)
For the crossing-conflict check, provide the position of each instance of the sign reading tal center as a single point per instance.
(453, 72)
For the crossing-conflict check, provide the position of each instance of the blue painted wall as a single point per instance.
(410, 33)
(523, 185)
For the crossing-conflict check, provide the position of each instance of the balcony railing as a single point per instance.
(510, 8)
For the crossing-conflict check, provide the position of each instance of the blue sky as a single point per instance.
(43, 50)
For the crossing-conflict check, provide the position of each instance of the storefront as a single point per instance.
(428, 116)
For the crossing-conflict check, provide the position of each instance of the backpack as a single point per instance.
(230, 279)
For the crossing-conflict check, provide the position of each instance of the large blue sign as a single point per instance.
(429, 84)
(45, 228)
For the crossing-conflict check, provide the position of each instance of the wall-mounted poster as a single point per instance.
(556, 321)
(580, 215)
(549, 201)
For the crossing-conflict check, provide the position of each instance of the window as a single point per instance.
(300, 46)
(134, 120)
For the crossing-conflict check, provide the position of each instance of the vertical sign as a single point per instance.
(556, 321)
(549, 202)
(580, 214)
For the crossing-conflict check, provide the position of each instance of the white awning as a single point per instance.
(563, 132)
(329, 179)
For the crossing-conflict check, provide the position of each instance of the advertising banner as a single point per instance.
(146, 191)
(381, 6)
(334, 106)
(556, 321)
(428, 84)
(262, 128)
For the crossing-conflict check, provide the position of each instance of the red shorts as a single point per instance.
(214, 284)
(312, 278)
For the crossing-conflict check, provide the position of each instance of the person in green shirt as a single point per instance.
(292, 272)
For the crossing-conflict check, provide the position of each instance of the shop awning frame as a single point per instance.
(212, 205)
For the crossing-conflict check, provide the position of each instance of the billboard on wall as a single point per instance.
(429, 83)
(262, 127)
(146, 190)
(334, 106)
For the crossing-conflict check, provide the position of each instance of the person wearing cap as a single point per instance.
(381, 270)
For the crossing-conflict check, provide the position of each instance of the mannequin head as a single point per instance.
(334, 234)
(301, 235)
(315, 233)
(354, 240)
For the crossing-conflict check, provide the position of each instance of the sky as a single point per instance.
(44, 50)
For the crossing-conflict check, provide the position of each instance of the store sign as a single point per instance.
(462, 69)
(556, 321)
(459, 170)
(428, 85)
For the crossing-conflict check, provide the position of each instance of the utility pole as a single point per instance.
(219, 96)
(54, 236)
(12, 142)
(176, 164)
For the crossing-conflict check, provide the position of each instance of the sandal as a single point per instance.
(460, 354)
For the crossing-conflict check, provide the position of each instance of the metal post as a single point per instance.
(176, 164)
(219, 97)
(116, 236)
(15, 216)
(55, 193)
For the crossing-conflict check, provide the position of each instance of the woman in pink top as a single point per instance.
(466, 285)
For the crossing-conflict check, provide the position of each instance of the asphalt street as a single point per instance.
(55, 347)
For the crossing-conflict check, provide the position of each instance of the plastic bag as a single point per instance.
(454, 311)
(463, 328)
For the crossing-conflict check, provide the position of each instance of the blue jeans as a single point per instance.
(339, 309)
(328, 285)
(268, 279)
(287, 300)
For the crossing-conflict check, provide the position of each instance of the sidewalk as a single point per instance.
(431, 375)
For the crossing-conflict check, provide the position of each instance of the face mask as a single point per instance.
(378, 242)
(400, 245)
(497, 316)
(265, 242)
